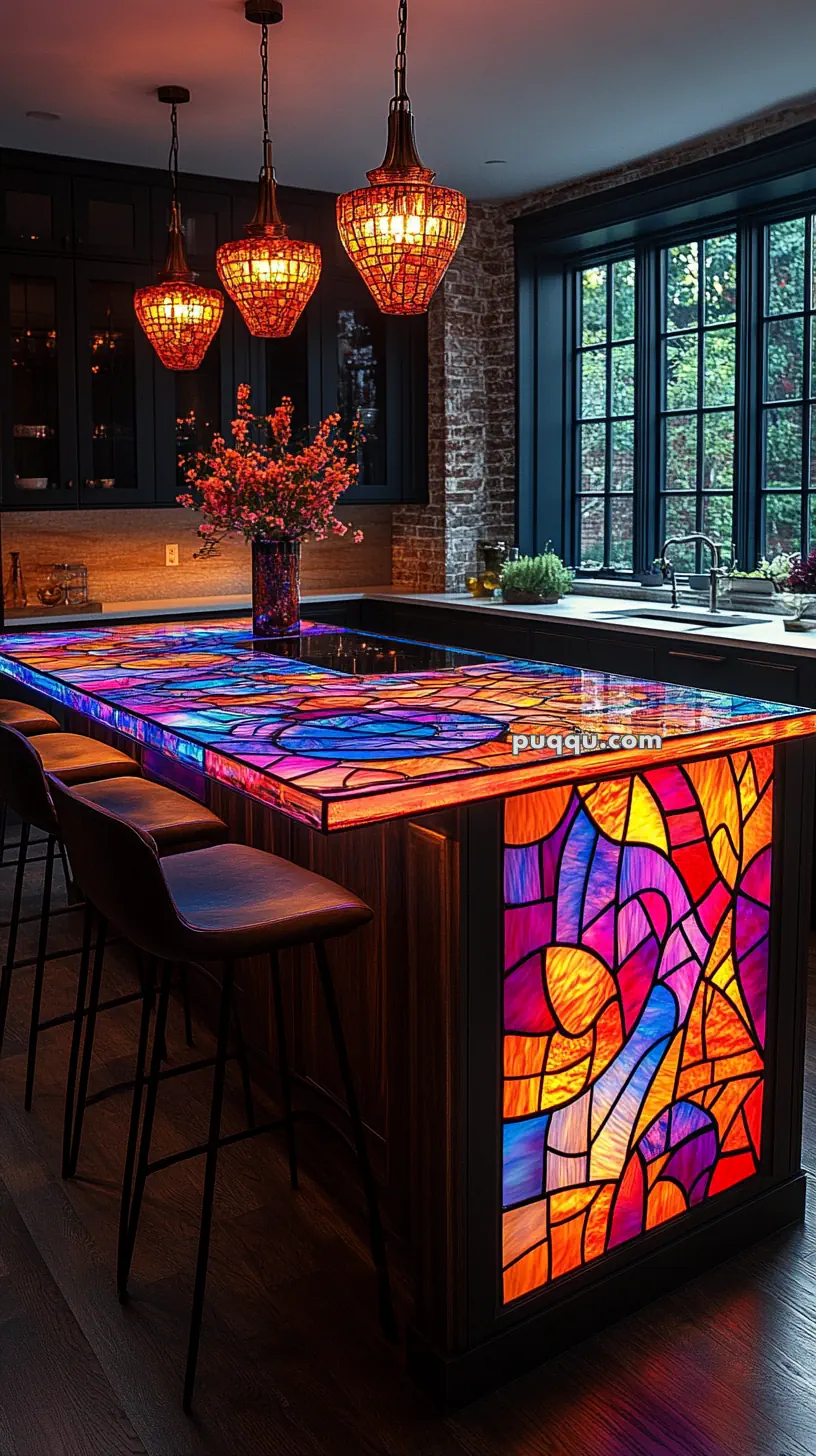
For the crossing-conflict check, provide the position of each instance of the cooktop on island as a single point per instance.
(364, 654)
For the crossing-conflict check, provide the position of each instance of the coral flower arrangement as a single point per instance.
(274, 493)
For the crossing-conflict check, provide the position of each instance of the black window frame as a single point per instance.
(742, 191)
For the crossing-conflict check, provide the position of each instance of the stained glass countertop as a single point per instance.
(338, 748)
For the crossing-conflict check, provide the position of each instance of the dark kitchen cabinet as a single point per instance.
(111, 219)
(35, 210)
(38, 382)
(98, 420)
(374, 367)
(114, 373)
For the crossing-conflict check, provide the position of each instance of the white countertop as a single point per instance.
(586, 610)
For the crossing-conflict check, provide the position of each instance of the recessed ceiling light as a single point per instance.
(43, 116)
(496, 162)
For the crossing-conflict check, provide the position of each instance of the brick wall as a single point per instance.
(471, 463)
(472, 382)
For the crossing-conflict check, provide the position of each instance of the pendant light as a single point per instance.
(402, 231)
(179, 316)
(267, 274)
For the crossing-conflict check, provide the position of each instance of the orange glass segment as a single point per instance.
(180, 320)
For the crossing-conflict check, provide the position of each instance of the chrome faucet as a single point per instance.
(715, 571)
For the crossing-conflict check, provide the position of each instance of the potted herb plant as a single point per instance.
(274, 493)
(535, 580)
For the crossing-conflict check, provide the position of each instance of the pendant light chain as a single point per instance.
(267, 141)
(400, 92)
(172, 161)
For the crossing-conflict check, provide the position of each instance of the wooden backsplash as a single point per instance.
(124, 552)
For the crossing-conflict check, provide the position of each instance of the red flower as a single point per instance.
(263, 487)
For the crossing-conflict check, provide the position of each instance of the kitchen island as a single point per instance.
(577, 1019)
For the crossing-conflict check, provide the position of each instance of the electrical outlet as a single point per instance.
(171, 556)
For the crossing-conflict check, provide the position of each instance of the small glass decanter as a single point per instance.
(14, 594)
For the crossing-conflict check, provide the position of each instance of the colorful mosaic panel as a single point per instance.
(337, 750)
(636, 974)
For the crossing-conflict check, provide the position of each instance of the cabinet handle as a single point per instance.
(699, 656)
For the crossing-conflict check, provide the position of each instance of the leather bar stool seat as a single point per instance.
(75, 759)
(27, 720)
(171, 819)
(234, 901)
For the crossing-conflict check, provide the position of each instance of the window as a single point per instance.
(605, 416)
(666, 348)
(698, 378)
(788, 494)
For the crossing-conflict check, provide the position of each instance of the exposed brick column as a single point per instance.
(471, 345)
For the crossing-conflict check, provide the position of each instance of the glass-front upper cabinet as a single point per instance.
(114, 388)
(35, 210)
(39, 460)
(372, 370)
(191, 407)
(111, 219)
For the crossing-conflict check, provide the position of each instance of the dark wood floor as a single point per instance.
(292, 1362)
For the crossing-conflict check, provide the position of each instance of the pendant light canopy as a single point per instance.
(267, 274)
(180, 317)
(402, 231)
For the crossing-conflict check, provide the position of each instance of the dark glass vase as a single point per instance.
(276, 587)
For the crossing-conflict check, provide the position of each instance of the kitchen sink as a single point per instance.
(681, 618)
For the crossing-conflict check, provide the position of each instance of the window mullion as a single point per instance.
(647, 483)
(748, 397)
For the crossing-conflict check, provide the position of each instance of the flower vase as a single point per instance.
(276, 587)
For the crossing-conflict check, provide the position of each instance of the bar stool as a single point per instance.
(173, 820)
(30, 721)
(212, 905)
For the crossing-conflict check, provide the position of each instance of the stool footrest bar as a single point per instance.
(223, 1142)
(112, 1005)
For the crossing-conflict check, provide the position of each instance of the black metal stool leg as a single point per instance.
(87, 1045)
(125, 1254)
(283, 1058)
(39, 973)
(76, 1040)
(66, 872)
(210, 1170)
(243, 1065)
(3, 818)
(185, 1000)
(147, 968)
(14, 923)
(387, 1316)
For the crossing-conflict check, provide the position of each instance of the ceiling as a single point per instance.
(552, 90)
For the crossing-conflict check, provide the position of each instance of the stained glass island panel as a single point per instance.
(636, 974)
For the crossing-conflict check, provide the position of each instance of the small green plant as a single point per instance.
(536, 576)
